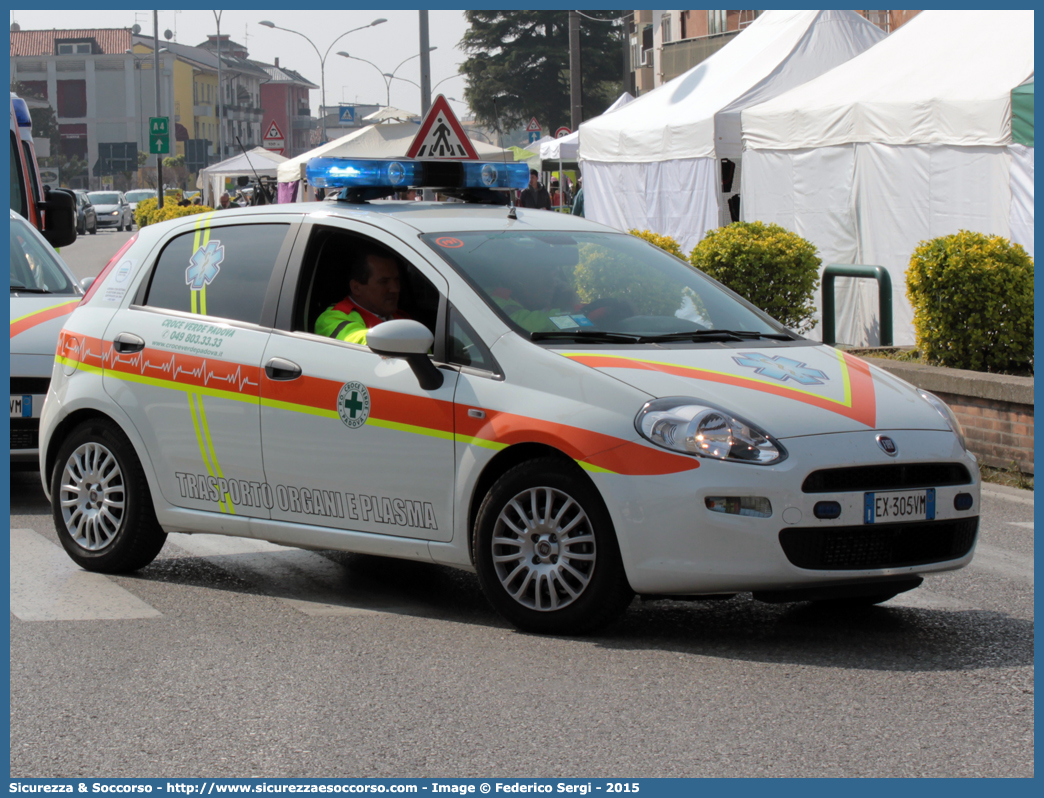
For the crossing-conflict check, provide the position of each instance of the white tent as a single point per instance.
(655, 163)
(909, 141)
(389, 140)
(567, 148)
(258, 161)
(388, 113)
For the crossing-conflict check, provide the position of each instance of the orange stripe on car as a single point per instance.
(30, 320)
(860, 404)
(603, 452)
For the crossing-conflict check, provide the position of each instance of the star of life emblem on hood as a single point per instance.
(781, 368)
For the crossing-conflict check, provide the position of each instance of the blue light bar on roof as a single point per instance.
(491, 174)
(404, 173)
(21, 112)
(359, 173)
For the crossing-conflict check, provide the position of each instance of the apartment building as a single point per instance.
(665, 44)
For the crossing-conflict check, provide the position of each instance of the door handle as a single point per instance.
(279, 369)
(127, 343)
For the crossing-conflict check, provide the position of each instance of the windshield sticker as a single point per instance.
(353, 404)
(781, 368)
(563, 322)
(582, 321)
(204, 265)
(449, 243)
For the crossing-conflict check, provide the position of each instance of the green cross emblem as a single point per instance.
(353, 405)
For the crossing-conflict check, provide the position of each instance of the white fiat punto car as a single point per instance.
(569, 411)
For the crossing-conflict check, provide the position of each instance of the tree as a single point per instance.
(521, 58)
(176, 170)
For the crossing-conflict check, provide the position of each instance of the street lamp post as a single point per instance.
(322, 58)
(220, 99)
(388, 76)
(415, 83)
(137, 68)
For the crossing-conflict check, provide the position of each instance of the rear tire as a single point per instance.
(546, 551)
(101, 503)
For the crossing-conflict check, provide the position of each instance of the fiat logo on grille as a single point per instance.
(887, 445)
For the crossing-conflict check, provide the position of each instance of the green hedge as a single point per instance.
(770, 267)
(972, 297)
(663, 242)
(147, 213)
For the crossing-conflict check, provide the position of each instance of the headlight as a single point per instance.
(115, 213)
(687, 425)
(946, 413)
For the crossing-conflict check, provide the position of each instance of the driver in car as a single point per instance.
(374, 285)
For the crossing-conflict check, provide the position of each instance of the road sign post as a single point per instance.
(159, 135)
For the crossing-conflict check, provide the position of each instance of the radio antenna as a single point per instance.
(500, 139)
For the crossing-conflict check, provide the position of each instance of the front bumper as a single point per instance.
(672, 544)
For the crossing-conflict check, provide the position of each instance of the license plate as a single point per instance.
(21, 407)
(899, 505)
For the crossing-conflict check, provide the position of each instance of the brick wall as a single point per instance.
(995, 410)
(998, 432)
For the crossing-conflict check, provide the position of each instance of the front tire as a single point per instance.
(101, 502)
(546, 552)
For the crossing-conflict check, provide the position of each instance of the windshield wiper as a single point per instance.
(24, 289)
(586, 335)
(714, 335)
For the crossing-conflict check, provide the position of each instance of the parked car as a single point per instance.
(567, 410)
(86, 214)
(43, 294)
(112, 209)
(137, 195)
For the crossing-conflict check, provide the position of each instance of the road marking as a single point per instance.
(1023, 524)
(47, 586)
(921, 599)
(304, 580)
(1003, 562)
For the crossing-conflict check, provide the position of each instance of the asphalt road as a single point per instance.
(88, 254)
(235, 658)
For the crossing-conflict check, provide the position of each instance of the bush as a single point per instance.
(770, 267)
(665, 243)
(142, 211)
(972, 297)
(153, 215)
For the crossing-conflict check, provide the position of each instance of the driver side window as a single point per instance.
(327, 273)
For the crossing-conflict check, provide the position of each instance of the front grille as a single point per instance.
(869, 547)
(25, 433)
(30, 385)
(886, 477)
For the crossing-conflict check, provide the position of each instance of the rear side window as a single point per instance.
(220, 271)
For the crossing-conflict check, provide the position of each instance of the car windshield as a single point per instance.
(34, 266)
(104, 198)
(138, 196)
(598, 287)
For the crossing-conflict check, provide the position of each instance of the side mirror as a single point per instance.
(59, 217)
(410, 340)
(86, 283)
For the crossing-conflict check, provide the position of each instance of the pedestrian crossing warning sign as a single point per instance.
(441, 136)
